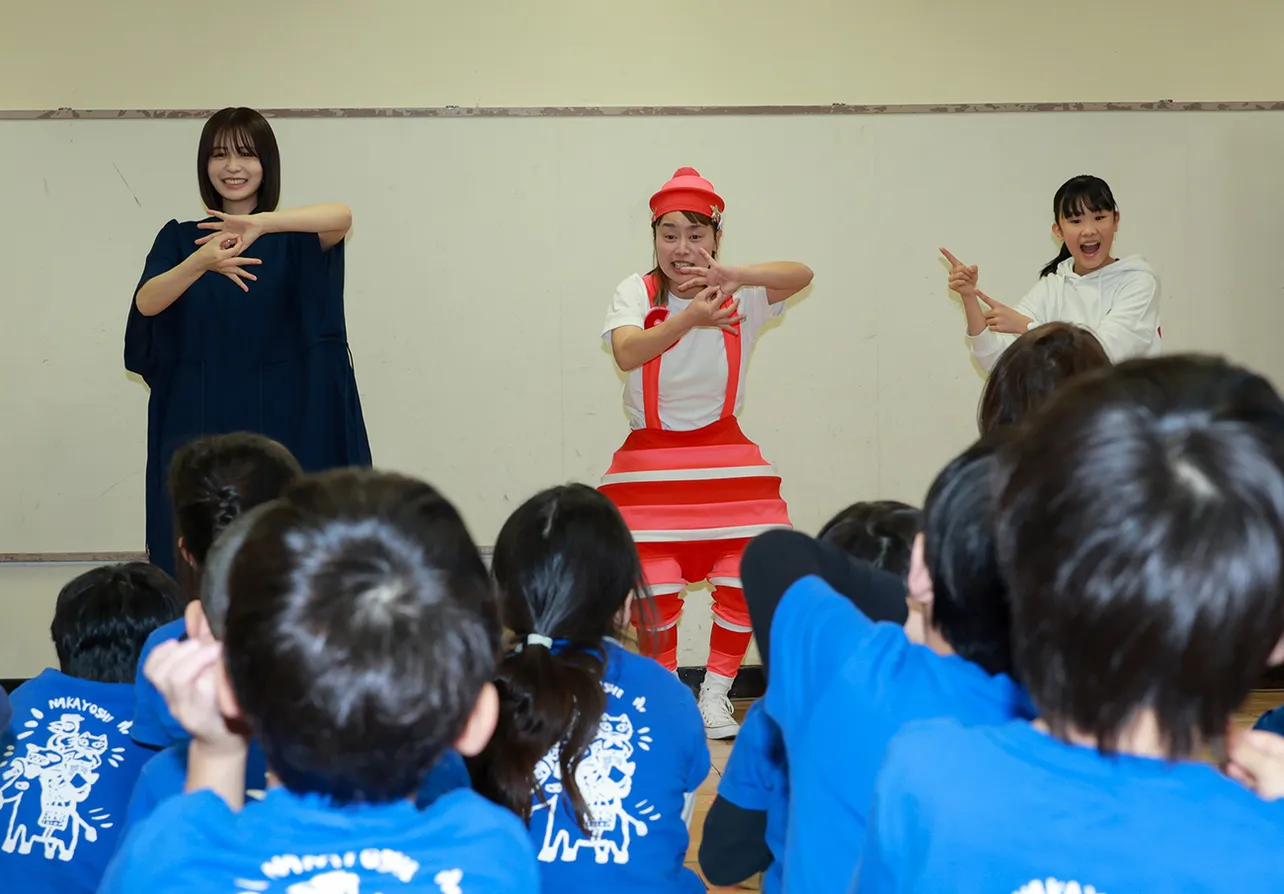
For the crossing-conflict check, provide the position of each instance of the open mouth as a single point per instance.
(235, 183)
(1089, 249)
(682, 265)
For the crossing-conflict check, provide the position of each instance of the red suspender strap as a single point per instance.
(651, 369)
(732, 341)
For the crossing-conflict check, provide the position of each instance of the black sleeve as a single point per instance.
(734, 846)
(774, 561)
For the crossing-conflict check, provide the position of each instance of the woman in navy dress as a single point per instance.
(237, 323)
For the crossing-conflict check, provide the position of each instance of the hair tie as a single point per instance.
(536, 639)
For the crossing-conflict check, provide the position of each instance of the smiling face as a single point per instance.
(678, 240)
(235, 171)
(1088, 235)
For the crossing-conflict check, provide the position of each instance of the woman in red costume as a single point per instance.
(692, 488)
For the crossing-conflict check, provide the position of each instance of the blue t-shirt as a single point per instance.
(840, 687)
(165, 777)
(154, 725)
(755, 779)
(301, 844)
(1010, 809)
(1272, 721)
(638, 778)
(67, 765)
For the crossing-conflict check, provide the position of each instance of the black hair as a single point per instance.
(361, 631)
(662, 281)
(103, 617)
(1077, 195)
(880, 532)
(969, 596)
(1141, 530)
(564, 567)
(1031, 367)
(251, 134)
(214, 479)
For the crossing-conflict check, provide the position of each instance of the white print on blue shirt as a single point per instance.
(1053, 886)
(337, 877)
(605, 779)
(43, 789)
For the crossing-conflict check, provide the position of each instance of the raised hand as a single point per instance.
(725, 279)
(707, 310)
(963, 279)
(247, 226)
(1001, 318)
(222, 254)
(186, 673)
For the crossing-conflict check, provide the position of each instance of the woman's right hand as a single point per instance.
(706, 310)
(963, 279)
(224, 256)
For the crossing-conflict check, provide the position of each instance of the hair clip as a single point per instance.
(715, 214)
(536, 639)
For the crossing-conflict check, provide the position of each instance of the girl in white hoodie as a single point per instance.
(1116, 299)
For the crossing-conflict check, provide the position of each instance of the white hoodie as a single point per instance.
(1118, 303)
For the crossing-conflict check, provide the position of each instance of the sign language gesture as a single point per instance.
(246, 226)
(962, 277)
(712, 275)
(1001, 318)
(221, 253)
(707, 310)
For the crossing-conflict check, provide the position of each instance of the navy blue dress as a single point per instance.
(273, 360)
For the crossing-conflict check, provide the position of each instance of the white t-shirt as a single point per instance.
(1118, 303)
(693, 373)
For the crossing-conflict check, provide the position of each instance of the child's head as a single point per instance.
(103, 617)
(880, 532)
(686, 216)
(214, 479)
(238, 161)
(1031, 367)
(207, 616)
(954, 578)
(567, 572)
(361, 635)
(1141, 531)
(1084, 219)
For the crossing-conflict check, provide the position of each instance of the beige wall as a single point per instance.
(154, 54)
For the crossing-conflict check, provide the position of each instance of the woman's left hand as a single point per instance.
(725, 279)
(1001, 318)
(246, 226)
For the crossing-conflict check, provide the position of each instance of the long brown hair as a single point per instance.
(662, 281)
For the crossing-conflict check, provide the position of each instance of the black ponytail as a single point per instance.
(1074, 197)
(1051, 266)
(547, 700)
(564, 567)
(212, 480)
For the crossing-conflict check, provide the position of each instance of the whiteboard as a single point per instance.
(485, 252)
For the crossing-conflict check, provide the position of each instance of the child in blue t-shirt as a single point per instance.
(1141, 530)
(67, 763)
(166, 775)
(836, 675)
(359, 645)
(599, 750)
(744, 831)
(212, 480)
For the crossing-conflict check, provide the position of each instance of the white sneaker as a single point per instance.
(715, 707)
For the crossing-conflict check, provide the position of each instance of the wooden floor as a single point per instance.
(1258, 703)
